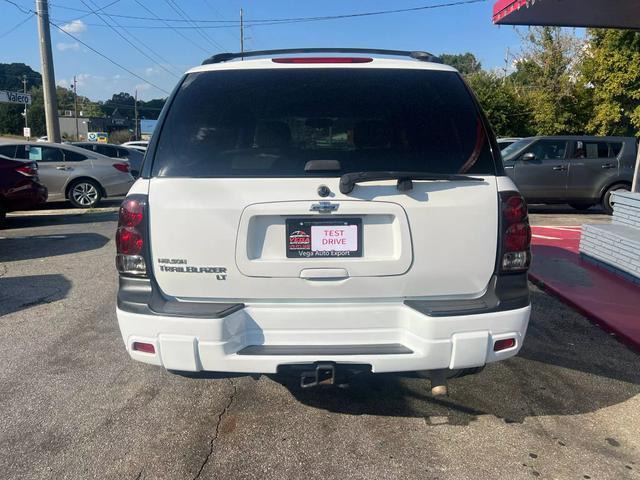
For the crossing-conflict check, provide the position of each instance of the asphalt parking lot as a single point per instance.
(73, 405)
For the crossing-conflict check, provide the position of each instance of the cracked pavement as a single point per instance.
(73, 405)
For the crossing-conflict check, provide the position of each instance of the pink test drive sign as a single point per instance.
(337, 238)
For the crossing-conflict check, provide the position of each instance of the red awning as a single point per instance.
(569, 13)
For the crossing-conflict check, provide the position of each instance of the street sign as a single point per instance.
(100, 137)
(26, 132)
(14, 97)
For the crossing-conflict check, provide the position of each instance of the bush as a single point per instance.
(119, 136)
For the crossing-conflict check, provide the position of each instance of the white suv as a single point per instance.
(323, 212)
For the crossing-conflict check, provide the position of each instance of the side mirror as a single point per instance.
(528, 157)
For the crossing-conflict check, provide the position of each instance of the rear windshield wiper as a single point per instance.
(349, 180)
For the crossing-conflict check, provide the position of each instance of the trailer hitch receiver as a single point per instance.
(324, 374)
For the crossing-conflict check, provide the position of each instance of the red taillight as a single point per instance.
(128, 241)
(515, 209)
(516, 233)
(504, 344)
(131, 213)
(28, 170)
(517, 237)
(130, 236)
(123, 167)
(144, 347)
(323, 60)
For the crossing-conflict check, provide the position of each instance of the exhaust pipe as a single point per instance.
(439, 386)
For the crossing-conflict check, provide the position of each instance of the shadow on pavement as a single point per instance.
(566, 367)
(18, 293)
(13, 249)
(30, 221)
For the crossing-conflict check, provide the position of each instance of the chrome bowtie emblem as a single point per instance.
(324, 207)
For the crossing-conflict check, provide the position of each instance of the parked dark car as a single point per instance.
(19, 187)
(579, 170)
(135, 157)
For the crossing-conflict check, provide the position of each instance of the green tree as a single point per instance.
(548, 75)
(123, 102)
(508, 112)
(612, 68)
(465, 63)
(89, 108)
(11, 76)
(37, 120)
(151, 109)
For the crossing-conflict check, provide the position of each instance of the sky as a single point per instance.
(163, 54)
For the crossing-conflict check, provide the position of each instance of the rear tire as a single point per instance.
(607, 198)
(581, 206)
(84, 193)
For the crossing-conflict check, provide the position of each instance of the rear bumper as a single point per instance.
(389, 336)
(26, 196)
(118, 187)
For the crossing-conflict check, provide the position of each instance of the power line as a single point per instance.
(184, 15)
(217, 12)
(18, 25)
(108, 59)
(273, 21)
(171, 27)
(97, 10)
(19, 7)
(131, 43)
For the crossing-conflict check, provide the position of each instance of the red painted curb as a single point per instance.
(608, 299)
(599, 320)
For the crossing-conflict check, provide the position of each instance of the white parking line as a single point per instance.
(545, 237)
(571, 228)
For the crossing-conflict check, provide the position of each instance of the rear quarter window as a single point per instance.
(71, 156)
(8, 150)
(270, 123)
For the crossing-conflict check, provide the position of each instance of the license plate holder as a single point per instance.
(335, 237)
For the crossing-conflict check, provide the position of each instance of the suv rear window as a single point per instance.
(248, 123)
(586, 149)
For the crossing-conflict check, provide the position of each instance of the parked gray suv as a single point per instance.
(579, 170)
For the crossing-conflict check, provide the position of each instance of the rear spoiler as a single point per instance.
(417, 55)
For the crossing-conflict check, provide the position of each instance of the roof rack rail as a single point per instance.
(225, 57)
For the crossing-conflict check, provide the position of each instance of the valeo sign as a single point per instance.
(14, 97)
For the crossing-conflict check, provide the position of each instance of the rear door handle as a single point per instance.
(560, 168)
(608, 165)
(324, 274)
(62, 168)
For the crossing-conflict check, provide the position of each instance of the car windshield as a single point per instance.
(272, 123)
(514, 148)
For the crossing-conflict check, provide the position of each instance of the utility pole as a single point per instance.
(48, 75)
(241, 33)
(75, 107)
(506, 65)
(135, 113)
(24, 90)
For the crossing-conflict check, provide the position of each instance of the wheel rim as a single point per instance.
(84, 194)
